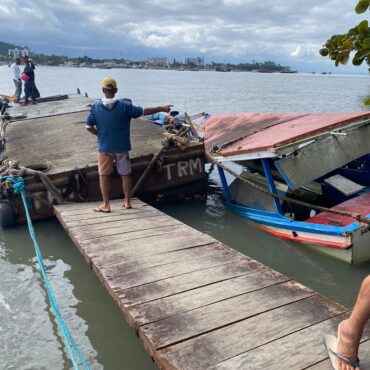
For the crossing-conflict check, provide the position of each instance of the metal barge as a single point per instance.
(51, 136)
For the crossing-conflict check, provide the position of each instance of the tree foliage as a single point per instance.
(339, 47)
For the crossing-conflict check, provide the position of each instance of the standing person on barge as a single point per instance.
(110, 119)
(16, 75)
(30, 89)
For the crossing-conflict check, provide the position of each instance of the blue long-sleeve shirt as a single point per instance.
(113, 125)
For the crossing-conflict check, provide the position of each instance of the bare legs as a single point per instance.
(350, 331)
(126, 184)
(104, 182)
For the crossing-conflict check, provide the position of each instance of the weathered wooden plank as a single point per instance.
(124, 223)
(165, 258)
(176, 328)
(88, 247)
(77, 207)
(139, 247)
(186, 282)
(162, 308)
(299, 350)
(107, 218)
(230, 341)
(364, 356)
(115, 206)
(344, 185)
(124, 280)
(125, 226)
(90, 214)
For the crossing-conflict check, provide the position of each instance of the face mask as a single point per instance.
(109, 103)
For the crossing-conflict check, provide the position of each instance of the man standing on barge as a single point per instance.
(110, 119)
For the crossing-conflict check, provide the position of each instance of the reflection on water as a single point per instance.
(29, 335)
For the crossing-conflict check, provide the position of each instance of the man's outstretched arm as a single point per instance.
(152, 110)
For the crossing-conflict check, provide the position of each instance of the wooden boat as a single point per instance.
(321, 159)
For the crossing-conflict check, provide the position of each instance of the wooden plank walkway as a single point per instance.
(196, 303)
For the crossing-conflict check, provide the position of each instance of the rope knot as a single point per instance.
(18, 183)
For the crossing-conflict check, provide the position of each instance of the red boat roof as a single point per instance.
(236, 134)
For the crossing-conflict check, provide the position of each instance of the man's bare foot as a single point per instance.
(102, 208)
(127, 204)
(348, 343)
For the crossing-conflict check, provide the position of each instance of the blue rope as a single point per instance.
(19, 188)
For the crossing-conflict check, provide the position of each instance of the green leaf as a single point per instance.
(360, 56)
(344, 59)
(347, 44)
(324, 52)
(363, 26)
(367, 101)
(362, 6)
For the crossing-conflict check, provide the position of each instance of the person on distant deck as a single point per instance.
(30, 89)
(16, 75)
(110, 119)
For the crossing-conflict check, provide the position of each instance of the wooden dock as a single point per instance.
(196, 303)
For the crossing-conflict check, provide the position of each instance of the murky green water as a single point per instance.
(29, 338)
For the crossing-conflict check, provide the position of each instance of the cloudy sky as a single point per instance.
(289, 32)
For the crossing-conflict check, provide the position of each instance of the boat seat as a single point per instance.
(357, 205)
(344, 185)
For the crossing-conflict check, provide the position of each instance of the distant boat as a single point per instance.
(288, 71)
(104, 67)
(223, 69)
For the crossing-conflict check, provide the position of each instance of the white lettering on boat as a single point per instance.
(195, 166)
(183, 168)
(168, 168)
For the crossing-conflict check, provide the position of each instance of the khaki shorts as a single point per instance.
(106, 161)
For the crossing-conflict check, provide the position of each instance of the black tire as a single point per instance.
(7, 215)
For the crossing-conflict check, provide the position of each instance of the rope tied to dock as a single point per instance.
(73, 351)
(13, 169)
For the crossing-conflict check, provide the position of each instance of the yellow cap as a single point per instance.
(109, 83)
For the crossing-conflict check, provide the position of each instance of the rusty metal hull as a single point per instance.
(179, 175)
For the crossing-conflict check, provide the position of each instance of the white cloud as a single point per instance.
(296, 52)
(230, 29)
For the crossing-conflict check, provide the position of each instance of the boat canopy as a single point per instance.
(244, 136)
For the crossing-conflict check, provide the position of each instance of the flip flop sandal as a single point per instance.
(331, 344)
(101, 210)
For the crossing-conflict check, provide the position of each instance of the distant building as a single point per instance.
(198, 61)
(17, 53)
(157, 60)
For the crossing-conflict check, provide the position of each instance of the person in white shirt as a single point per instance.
(16, 75)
